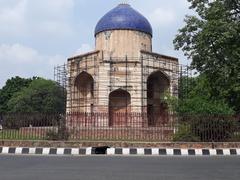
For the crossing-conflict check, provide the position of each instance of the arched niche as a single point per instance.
(84, 92)
(119, 107)
(157, 84)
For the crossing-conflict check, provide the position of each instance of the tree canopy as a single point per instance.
(12, 86)
(44, 96)
(32, 95)
(212, 40)
(196, 99)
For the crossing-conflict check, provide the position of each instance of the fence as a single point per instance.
(127, 127)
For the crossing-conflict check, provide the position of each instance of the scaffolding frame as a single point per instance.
(120, 70)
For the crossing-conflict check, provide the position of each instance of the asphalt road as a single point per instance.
(119, 168)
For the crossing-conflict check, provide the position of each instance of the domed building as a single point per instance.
(122, 76)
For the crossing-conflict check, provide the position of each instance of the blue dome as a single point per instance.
(123, 17)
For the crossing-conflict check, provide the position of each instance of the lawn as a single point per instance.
(12, 134)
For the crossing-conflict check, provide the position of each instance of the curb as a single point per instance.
(118, 151)
(173, 152)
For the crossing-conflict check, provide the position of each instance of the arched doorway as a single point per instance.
(119, 106)
(84, 92)
(157, 84)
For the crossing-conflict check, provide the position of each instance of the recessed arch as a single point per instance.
(84, 92)
(82, 78)
(157, 84)
(119, 106)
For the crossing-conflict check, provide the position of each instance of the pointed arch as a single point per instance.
(119, 106)
(157, 83)
(84, 92)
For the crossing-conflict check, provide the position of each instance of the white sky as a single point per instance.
(36, 35)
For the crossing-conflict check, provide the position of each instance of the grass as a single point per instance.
(17, 135)
(13, 134)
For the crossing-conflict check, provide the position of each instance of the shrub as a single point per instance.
(57, 135)
(184, 134)
(52, 135)
(212, 128)
(235, 137)
(201, 106)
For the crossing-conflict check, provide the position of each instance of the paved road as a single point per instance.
(119, 168)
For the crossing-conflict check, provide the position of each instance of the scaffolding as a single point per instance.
(60, 75)
(128, 74)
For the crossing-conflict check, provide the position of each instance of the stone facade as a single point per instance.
(122, 75)
(122, 43)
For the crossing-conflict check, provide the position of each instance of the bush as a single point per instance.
(18, 120)
(201, 106)
(215, 129)
(184, 134)
(10, 122)
(235, 137)
(52, 135)
(207, 129)
(58, 134)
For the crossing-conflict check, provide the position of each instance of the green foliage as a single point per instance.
(201, 116)
(196, 99)
(206, 128)
(210, 128)
(61, 133)
(235, 137)
(43, 96)
(57, 135)
(199, 105)
(19, 120)
(170, 101)
(12, 86)
(184, 134)
(194, 86)
(13, 134)
(211, 39)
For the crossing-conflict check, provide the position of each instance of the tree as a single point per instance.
(41, 96)
(201, 118)
(12, 86)
(212, 40)
(195, 99)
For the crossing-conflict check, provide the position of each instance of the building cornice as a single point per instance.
(83, 55)
(159, 55)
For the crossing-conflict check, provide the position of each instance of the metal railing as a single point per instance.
(119, 127)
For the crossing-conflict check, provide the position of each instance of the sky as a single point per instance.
(36, 35)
